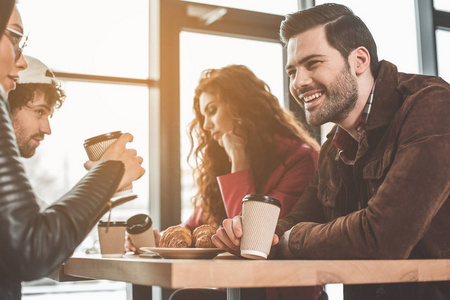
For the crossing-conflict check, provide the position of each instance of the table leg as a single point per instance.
(141, 292)
(233, 294)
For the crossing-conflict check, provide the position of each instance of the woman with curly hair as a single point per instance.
(243, 142)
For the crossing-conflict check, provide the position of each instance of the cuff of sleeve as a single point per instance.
(243, 177)
(297, 238)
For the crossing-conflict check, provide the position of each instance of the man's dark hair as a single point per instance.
(344, 30)
(25, 92)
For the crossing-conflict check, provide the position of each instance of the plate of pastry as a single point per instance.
(180, 242)
(186, 253)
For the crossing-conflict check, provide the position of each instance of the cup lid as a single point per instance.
(262, 198)
(102, 137)
(112, 223)
(139, 223)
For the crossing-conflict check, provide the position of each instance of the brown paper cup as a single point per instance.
(97, 145)
(259, 219)
(111, 238)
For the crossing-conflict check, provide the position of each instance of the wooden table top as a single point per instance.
(231, 272)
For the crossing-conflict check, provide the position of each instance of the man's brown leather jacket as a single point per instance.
(34, 244)
(393, 203)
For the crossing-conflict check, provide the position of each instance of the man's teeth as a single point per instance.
(312, 97)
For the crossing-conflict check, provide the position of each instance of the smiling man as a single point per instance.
(382, 186)
(32, 104)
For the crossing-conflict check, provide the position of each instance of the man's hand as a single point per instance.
(283, 246)
(228, 237)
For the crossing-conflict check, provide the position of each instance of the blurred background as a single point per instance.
(133, 66)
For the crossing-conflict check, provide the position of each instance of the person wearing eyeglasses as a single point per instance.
(12, 38)
(32, 243)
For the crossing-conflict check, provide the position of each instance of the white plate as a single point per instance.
(187, 253)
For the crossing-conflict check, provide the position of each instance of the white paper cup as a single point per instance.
(140, 231)
(112, 238)
(97, 145)
(259, 219)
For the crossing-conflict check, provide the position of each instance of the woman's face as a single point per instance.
(217, 118)
(9, 64)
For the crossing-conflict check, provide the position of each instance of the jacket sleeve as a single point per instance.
(413, 191)
(307, 209)
(287, 183)
(33, 244)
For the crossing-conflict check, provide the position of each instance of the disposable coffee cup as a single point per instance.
(140, 231)
(111, 236)
(95, 148)
(259, 219)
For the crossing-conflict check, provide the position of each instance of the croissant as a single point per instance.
(202, 236)
(176, 237)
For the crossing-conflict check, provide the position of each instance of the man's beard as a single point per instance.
(26, 148)
(340, 100)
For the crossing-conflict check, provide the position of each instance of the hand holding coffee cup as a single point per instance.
(112, 146)
(259, 219)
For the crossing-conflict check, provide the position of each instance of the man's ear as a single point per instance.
(360, 58)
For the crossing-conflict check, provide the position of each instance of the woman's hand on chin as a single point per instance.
(234, 145)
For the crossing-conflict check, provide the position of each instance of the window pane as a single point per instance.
(443, 49)
(203, 51)
(442, 5)
(89, 110)
(101, 37)
(280, 7)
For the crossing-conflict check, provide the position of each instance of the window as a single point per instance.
(443, 48)
(442, 5)
(203, 36)
(102, 37)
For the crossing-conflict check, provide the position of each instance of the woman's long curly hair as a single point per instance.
(258, 118)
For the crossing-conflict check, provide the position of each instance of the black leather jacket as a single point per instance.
(33, 244)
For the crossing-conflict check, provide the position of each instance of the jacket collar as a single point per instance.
(386, 99)
(386, 102)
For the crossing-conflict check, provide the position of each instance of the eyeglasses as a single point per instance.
(19, 41)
